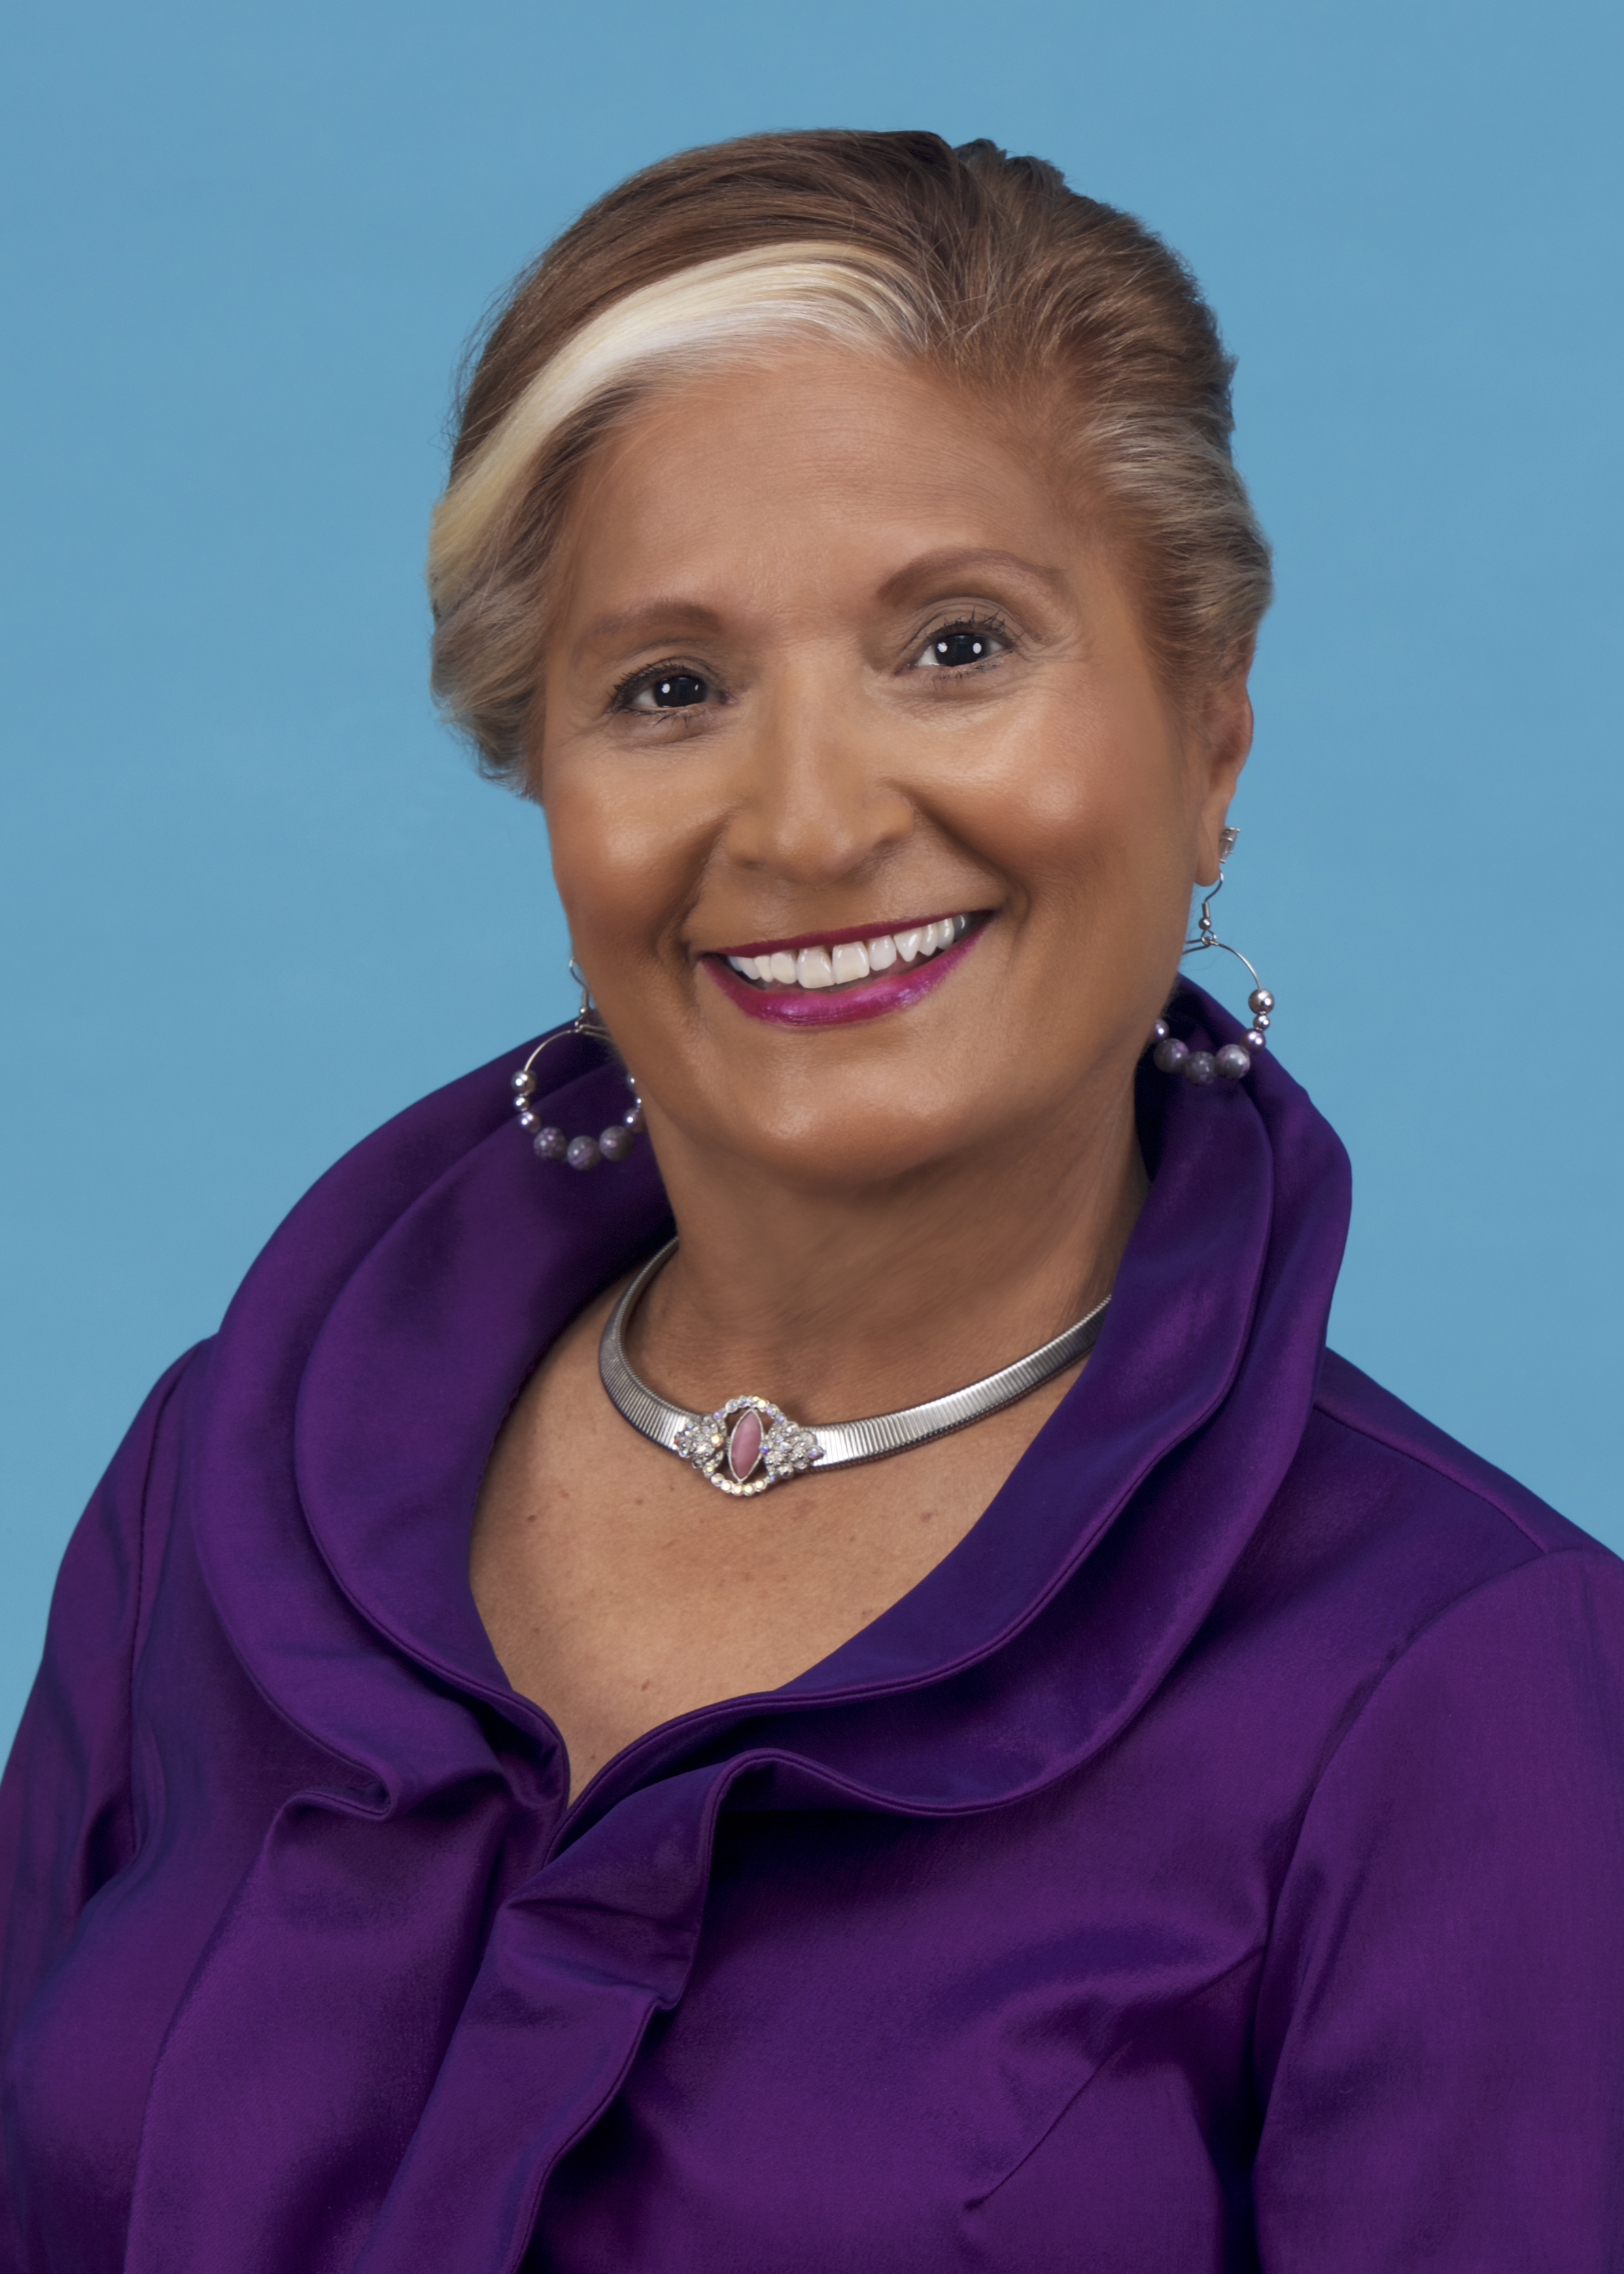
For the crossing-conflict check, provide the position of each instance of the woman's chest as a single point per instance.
(620, 1589)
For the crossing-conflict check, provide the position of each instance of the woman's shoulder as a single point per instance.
(1386, 1528)
(1420, 1470)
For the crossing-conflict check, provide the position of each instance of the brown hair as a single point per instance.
(986, 266)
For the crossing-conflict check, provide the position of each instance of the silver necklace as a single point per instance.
(748, 1444)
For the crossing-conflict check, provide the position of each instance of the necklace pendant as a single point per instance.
(746, 1445)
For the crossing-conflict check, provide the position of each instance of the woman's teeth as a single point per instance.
(853, 959)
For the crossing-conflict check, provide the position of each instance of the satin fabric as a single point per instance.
(1217, 1862)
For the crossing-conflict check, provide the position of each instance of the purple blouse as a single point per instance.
(1217, 1862)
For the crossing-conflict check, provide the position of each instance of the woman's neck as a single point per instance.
(836, 1301)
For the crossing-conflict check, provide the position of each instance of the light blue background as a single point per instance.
(254, 900)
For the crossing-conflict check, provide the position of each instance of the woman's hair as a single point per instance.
(1068, 315)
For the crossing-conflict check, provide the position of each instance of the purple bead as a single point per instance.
(1252, 1039)
(634, 1119)
(1159, 1033)
(1233, 1062)
(1199, 1067)
(615, 1142)
(527, 1120)
(583, 1153)
(551, 1144)
(1171, 1054)
(524, 1083)
(1260, 999)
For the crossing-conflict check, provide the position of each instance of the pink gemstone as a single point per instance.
(744, 1446)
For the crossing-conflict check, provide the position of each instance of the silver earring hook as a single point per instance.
(1206, 933)
(587, 1022)
(1227, 838)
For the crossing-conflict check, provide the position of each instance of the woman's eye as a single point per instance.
(959, 644)
(668, 690)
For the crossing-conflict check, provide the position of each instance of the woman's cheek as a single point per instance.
(1036, 812)
(616, 855)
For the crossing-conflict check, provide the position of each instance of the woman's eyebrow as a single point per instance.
(956, 562)
(646, 620)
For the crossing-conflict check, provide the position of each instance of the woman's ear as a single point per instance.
(1223, 740)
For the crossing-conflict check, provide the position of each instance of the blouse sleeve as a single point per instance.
(1440, 2029)
(66, 1819)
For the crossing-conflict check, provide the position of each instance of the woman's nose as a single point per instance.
(816, 796)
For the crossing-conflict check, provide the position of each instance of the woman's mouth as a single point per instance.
(827, 979)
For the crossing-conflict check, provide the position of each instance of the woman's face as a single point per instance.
(836, 658)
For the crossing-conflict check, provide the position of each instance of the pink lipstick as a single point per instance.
(844, 976)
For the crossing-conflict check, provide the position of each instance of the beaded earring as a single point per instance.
(1234, 1060)
(611, 1144)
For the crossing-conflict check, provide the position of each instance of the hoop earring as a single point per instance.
(611, 1144)
(1234, 1060)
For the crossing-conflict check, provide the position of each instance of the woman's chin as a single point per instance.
(832, 1135)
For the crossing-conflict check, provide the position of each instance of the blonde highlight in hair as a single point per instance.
(986, 269)
(775, 294)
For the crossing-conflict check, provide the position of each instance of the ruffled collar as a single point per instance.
(390, 1324)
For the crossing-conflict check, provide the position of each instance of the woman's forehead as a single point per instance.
(819, 400)
(825, 461)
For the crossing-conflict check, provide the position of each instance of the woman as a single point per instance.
(505, 1788)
